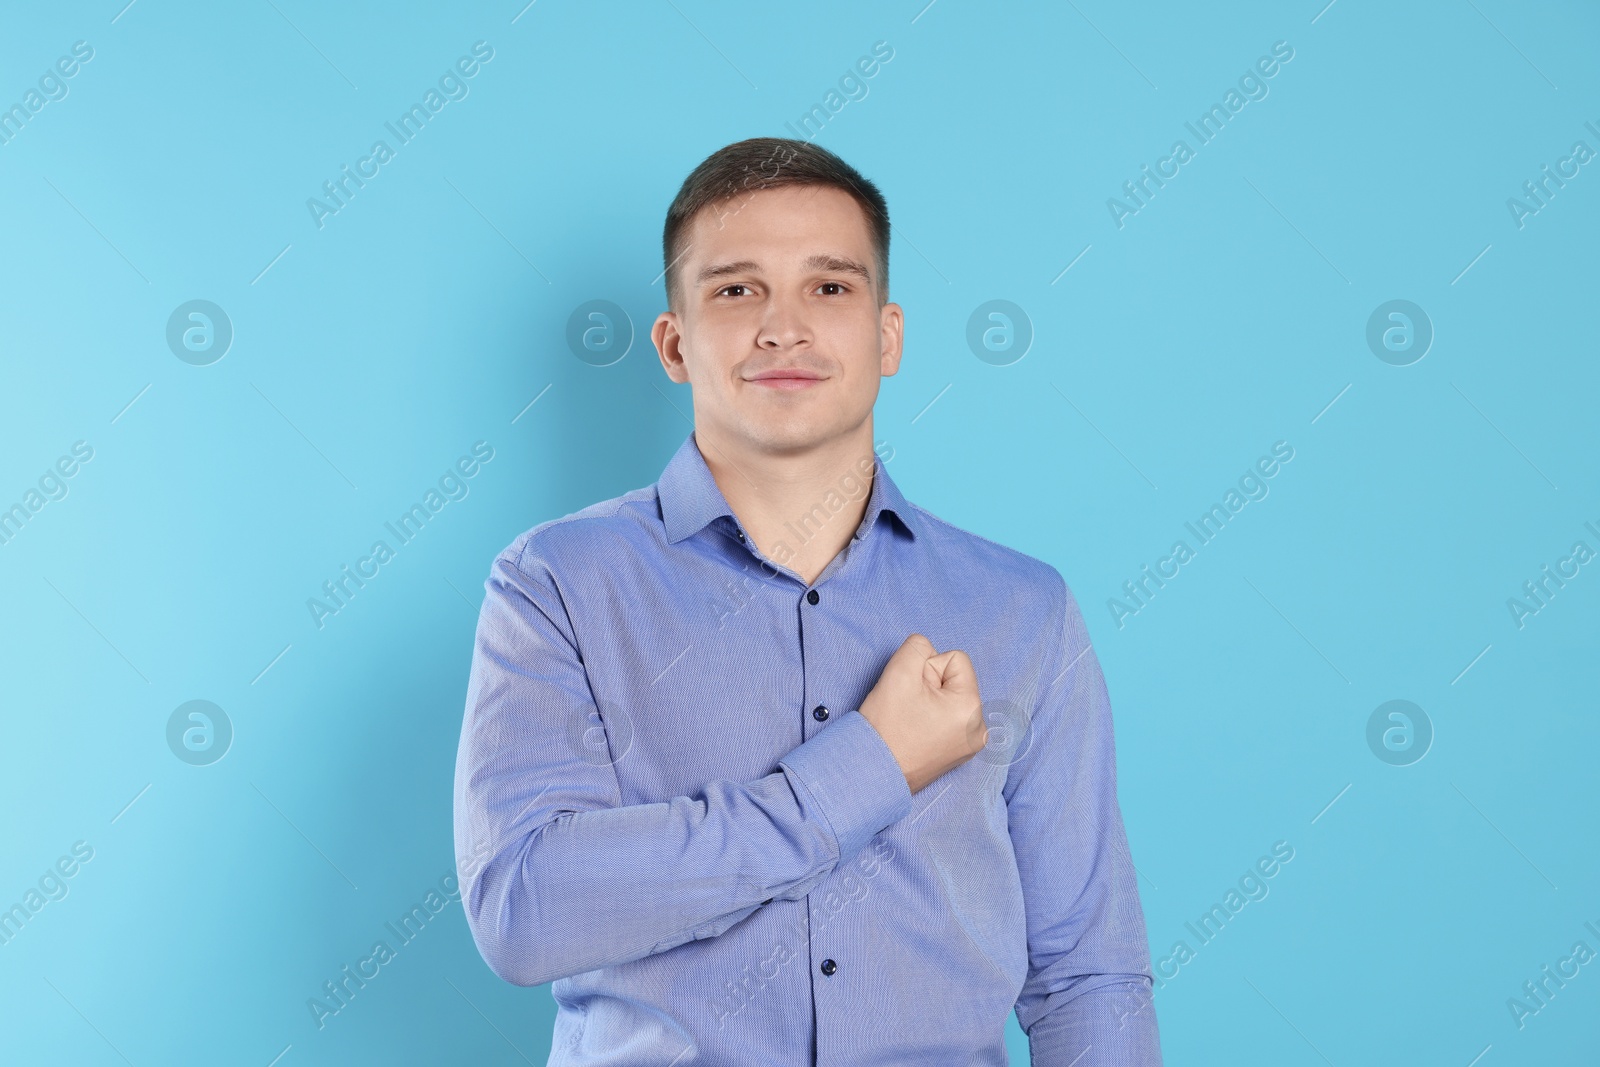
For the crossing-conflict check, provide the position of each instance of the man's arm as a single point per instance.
(558, 878)
(1087, 999)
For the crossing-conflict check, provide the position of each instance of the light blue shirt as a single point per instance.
(668, 805)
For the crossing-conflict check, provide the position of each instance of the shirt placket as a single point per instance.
(831, 957)
(825, 960)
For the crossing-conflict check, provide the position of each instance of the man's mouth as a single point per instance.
(786, 378)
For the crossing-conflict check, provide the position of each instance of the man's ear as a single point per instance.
(667, 335)
(891, 331)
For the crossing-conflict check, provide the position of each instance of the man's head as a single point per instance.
(777, 256)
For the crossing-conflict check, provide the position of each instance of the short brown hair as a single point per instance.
(768, 163)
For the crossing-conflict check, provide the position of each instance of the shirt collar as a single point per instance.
(691, 499)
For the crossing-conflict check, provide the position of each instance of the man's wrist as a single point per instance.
(854, 779)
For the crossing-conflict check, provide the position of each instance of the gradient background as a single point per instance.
(1228, 314)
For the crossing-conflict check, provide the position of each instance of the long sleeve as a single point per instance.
(1087, 999)
(558, 877)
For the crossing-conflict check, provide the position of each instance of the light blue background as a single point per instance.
(426, 315)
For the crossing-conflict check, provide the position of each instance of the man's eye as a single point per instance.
(736, 285)
(831, 285)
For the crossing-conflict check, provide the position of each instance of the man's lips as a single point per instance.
(786, 378)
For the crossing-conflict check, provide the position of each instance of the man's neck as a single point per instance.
(782, 501)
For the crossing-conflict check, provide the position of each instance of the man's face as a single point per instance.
(780, 281)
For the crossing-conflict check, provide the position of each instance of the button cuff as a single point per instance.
(854, 779)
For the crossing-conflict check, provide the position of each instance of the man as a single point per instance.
(717, 780)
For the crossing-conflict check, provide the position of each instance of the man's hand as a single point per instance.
(925, 706)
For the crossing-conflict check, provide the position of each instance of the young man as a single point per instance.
(718, 783)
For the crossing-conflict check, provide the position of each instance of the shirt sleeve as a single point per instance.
(558, 877)
(1087, 1000)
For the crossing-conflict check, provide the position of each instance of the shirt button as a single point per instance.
(741, 534)
(828, 967)
(820, 713)
(813, 596)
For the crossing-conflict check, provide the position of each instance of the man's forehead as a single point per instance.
(772, 228)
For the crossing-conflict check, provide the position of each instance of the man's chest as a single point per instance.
(708, 671)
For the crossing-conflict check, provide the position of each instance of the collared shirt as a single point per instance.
(669, 805)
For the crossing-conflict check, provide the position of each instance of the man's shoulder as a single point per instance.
(989, 563)
(1001, 582)
(585, 534)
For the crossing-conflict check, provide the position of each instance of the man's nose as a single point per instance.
(785, 323)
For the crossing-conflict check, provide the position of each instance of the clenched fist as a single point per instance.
(925, 706)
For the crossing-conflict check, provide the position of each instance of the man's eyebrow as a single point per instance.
(822, 261)
(839, 265)
(718, 270)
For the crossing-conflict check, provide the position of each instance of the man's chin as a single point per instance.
(785, 436)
